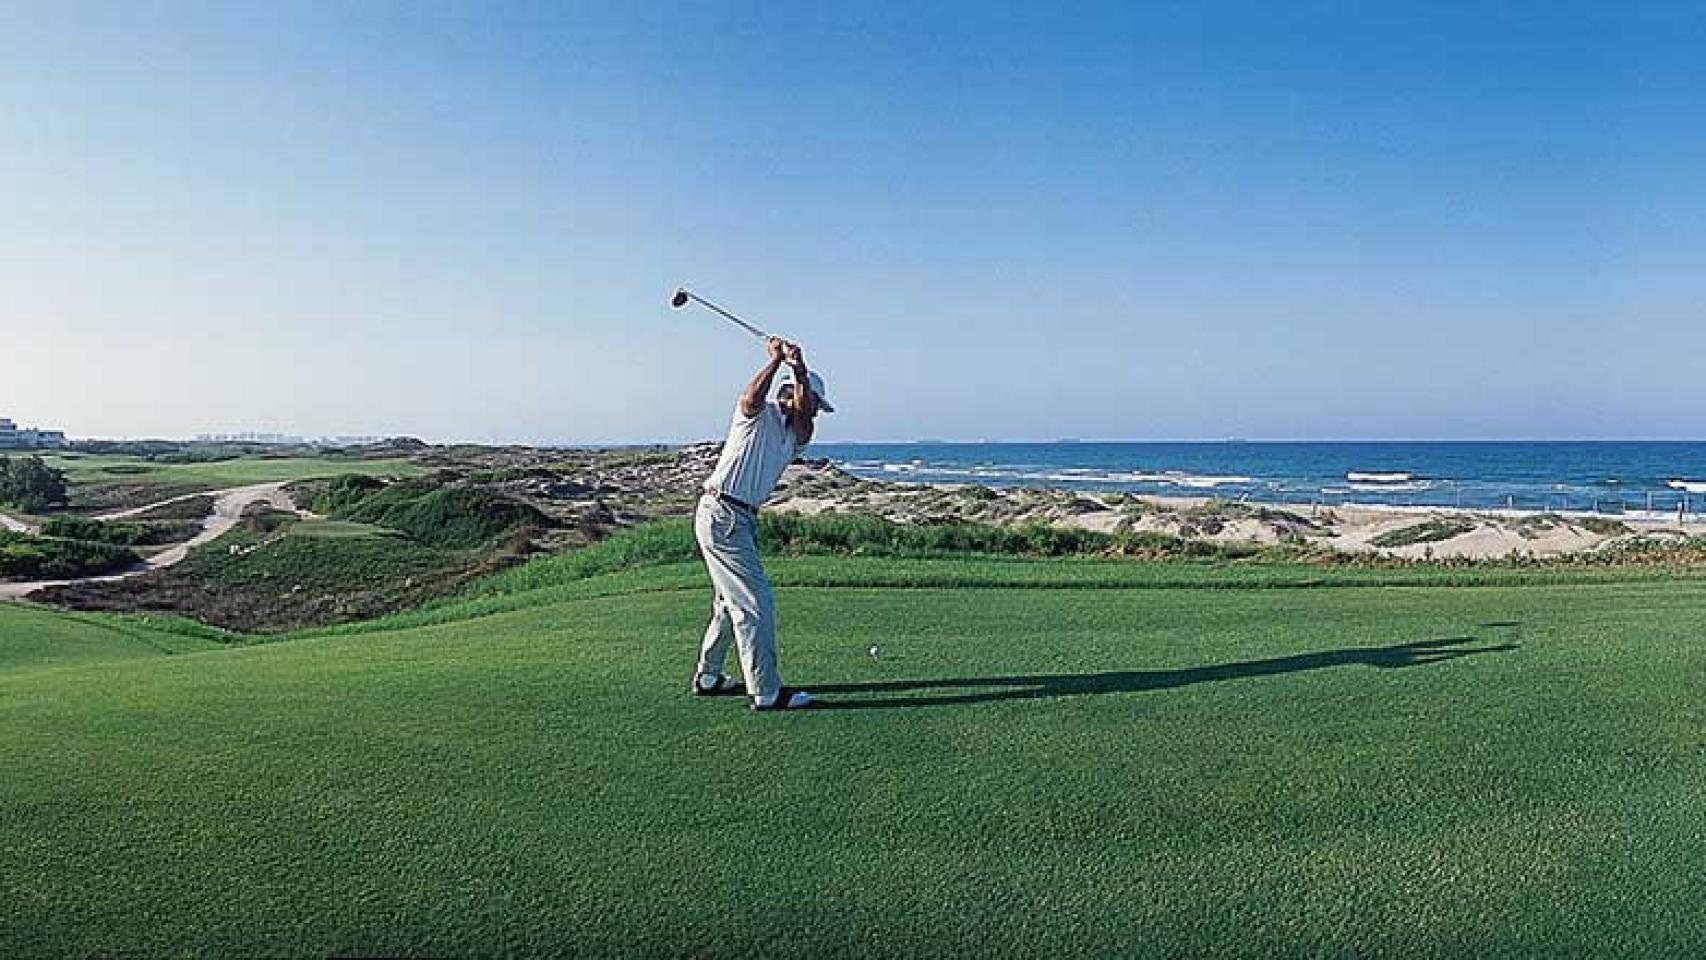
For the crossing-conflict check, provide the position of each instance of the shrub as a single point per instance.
(24, 557)
(264, 518)
(29, 484)
(122, 534)
(343, 492)
(189, 508)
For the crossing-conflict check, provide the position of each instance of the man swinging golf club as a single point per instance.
(763, 439)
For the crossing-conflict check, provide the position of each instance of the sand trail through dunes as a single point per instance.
(228, 507)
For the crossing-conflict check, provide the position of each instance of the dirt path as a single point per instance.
(228, 507)
(18, 526)
(139, 511)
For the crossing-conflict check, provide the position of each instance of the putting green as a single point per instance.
(1355, 770)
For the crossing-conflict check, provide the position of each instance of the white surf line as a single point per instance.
(228, 507)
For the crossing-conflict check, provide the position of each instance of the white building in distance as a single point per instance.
(29, 438)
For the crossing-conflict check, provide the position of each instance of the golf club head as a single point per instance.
(679, 300)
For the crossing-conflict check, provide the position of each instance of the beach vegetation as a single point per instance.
(1605, 526)
(1531, 526)
(1434, 530)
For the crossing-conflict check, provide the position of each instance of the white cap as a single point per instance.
(817, 388)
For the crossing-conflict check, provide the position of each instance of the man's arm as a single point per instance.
(805, 401)
(753, 397)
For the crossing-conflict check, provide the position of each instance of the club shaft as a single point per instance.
(749, 328)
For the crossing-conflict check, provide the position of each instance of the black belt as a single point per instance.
(731, 501)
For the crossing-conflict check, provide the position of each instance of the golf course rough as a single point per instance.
(1064, 770)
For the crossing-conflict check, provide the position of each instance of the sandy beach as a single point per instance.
(1415, 533)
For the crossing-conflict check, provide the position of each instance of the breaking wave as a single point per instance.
(1357, 476)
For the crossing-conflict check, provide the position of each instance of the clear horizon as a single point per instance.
(1226, 220)
(311, 437)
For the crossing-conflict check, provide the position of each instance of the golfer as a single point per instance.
(764, 438)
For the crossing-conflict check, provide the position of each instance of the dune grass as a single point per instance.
(1428, 531)
(276, 573)
(1069, 769)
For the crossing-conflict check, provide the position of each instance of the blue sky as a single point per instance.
(1012, 221)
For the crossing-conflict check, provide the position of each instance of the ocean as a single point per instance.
(1615, 477)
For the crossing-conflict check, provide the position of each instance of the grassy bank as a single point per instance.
(385, 547)
(1043, 764)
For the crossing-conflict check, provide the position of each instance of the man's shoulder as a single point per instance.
(757, 416)
(773, 422)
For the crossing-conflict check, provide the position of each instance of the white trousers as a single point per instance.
(744, 608)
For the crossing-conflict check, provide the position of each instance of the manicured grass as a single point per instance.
(112, 481)
(1076, 769)
(93, 469)
(34, 637)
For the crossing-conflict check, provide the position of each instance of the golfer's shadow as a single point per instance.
(990, 689)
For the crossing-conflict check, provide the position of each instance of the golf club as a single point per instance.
(682, 295)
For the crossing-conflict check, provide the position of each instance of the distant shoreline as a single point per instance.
(1406, 531)
(1637, 479)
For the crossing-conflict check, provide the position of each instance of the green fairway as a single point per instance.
(91, 469)
(1074, 758)
(31, 637)
(103, 482)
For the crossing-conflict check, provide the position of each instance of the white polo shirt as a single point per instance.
(759, 448)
